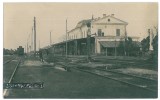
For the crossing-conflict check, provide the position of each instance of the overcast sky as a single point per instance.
(18, 19)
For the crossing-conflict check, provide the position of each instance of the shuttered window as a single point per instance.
(117, 32)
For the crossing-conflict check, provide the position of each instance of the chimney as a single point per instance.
(104, 15)
(112, 15)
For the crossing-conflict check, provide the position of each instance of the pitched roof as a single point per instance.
(95, 20)
(83, 22)
(113, 44)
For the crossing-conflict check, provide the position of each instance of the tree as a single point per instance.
(130, 47)
(121, 48)
(155, 44)
(155, 49)
(145, 44)
(9, 52)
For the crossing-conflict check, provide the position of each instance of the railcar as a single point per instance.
(20, 51)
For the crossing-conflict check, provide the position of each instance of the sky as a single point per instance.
(51, 17)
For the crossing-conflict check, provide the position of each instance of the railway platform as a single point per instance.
(59, 83)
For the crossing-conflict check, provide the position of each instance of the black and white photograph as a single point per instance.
(80, 50)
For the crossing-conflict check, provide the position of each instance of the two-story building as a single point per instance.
(105, 35)
(107, 32)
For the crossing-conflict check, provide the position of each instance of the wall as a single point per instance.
(74, 34)
(109, 30)
(84, 31)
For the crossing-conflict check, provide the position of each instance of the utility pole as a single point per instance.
(115, 48)
(125, 39)
(39, 44)
(150, 32)
(25, 49)
(32, 40)
(88, 41)
(66, 38)
(27, 46)
(50, 38)
(35, 36)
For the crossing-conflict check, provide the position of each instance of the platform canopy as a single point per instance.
(112, 44)
(109, 44)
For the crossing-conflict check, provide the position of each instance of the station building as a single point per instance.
(105, 33)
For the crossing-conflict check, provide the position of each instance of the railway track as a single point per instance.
(129, 74)
(8, 61)
(125, 78)
(133, 62)
(132, 80)
(129, 79)
(12, 73)
(95, 59)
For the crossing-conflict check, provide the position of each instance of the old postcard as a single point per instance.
(80, 50)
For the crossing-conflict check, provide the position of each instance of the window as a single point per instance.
(117, 32)
(102, 33)
(108, 20)
(99, 32)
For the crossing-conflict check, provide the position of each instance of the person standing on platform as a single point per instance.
(41, 55)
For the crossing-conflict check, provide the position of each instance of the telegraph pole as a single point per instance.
(39, 44)
(28, 43)
(50, 38)
(32, 40)
(88, 42)
(25, 49)
(115, 48)
(27, 46)
(150, 32)
(35, 36)
(66, 38)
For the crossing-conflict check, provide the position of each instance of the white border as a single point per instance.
(87, 1)
(79, 0)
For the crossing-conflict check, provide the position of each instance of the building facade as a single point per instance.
(105, 34)
(108, 31)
